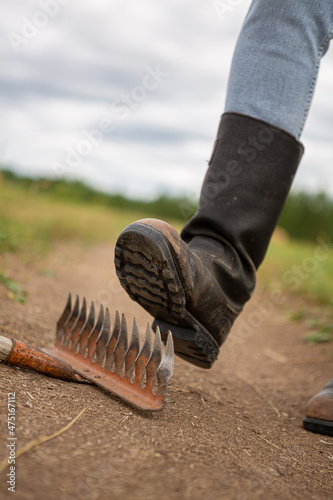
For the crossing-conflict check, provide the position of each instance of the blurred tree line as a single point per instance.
(304, 216)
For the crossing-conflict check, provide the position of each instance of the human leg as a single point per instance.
(276, 61)
(196, 285)
(276, 82)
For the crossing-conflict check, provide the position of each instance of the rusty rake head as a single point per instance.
(107, 358)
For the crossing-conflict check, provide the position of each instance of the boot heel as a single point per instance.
(193, 344)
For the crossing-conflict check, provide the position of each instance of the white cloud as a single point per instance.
(91, 54)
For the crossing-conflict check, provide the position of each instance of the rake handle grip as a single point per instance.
(6, 346)
(17, 353)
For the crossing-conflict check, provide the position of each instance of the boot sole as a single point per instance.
(318, 426)
(147, 270)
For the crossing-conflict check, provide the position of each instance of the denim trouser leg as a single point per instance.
(276, 60)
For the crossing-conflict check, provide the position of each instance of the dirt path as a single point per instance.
(232, 432)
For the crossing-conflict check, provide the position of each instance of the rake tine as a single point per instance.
(142, 359)
(154, 360)
(165, 370)
(121, 347)
(78, 325)
(86, 330)
(63, 319)
(92, 352)
(95, 334)
(70, 322)
(132, 351)
(104, 338)
(111, 345)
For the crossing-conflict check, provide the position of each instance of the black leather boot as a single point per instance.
(197, 284)
(319, 412)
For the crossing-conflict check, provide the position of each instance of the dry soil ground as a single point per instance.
(233, 432)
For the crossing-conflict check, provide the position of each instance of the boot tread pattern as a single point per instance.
(148, 281)
(146, 270)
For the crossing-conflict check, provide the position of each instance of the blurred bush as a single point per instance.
(77, 192)
(304, 216)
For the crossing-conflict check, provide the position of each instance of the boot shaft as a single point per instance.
(250, 173)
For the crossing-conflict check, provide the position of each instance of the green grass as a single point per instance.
(32, 220)
(163, 206)
(14, 289)
(322, 335)
(316, 209)
(293, 266)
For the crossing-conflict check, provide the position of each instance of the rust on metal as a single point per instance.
(107, 358)
(88, 350)
(29, 357)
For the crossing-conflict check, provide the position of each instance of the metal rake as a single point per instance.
(87, 350)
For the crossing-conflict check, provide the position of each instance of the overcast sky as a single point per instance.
(127, 96)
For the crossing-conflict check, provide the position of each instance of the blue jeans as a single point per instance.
(276, 60)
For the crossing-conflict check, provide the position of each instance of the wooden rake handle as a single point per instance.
(17, 353)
